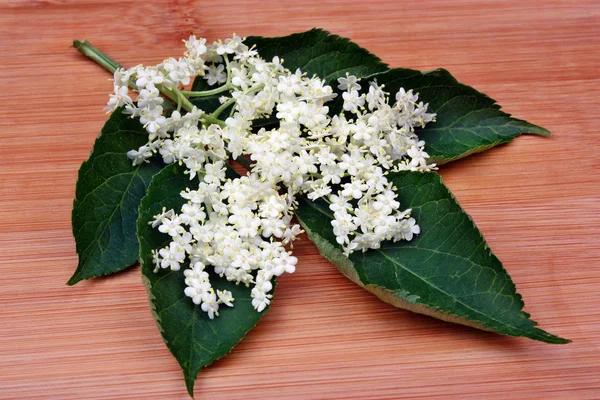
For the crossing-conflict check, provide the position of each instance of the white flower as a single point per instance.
(319, 191)
(196, 275)
(184, 241)
(260, 298)
(230, 45)
(214, 173)
(239, 77)
(291, 233)
(406, 99)
(247, 55)
(245, 221)
(225, 297)
(353, 101)
(140, 155)
(215, 74)
(354, 189)
(418, 156)
(171, 226)
(156, 260)
(148, 75)
(385, 202)
(121, 76)
(158, 219)
(313, 116)
(194, 196)
(120, 98)
(197, 280)
(348, 83)
(285, 263)
(197, 292)
(289, 85)
(149, 97)
(407, 229)
(339, 203)
(167, 151)
(362, 131)
(152, 119)
(288, 110)
(172, 256)
(210, 304)
(192, 213)
(376, 97)
(196, 50)
(177, 72)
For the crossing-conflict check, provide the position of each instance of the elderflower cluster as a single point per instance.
(238, 227)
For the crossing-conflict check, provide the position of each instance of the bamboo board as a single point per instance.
(535, 200)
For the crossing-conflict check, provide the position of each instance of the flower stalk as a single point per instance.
(93, 53)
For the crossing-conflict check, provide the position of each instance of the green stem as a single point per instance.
(228, 67)
(210, 120)
(90, 51)
(222, 107)
(175, 95)
(206, 93)
(232, 100)
(213, 118)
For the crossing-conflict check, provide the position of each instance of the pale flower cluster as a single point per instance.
(238, 227)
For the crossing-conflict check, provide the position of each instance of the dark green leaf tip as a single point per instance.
(467, 120)
(194, 340)
(447, 271)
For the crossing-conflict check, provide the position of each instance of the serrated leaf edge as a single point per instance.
(346, 267)
(75, 278)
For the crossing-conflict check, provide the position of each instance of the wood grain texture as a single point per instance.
(535, 200)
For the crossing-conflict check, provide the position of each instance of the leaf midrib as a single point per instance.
(97, 238)
(516, 329)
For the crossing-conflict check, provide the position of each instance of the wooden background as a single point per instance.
(535, 200)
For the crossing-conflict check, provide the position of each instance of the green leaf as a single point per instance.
(447, 271)
(194, 339)
(319, 52)
(467, 121)
(107, 196)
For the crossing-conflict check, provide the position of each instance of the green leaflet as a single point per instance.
(190, 335)
(107, 196)
(319, 52)
(467, 121)
(447, 271)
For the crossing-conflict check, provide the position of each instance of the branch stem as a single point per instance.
(92, 52)
(175, 95)
(206, 93)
